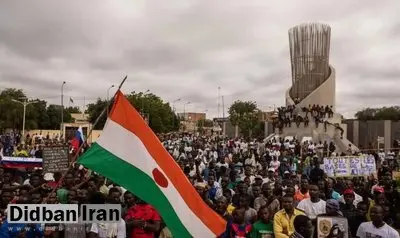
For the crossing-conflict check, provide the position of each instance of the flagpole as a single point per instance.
(119, 88)
(88, 136)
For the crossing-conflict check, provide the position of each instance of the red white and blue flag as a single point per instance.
(78, 139)
(21, 162)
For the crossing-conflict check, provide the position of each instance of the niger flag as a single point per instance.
(130, 154)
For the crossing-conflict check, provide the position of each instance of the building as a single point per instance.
(80, 117)
(365, 134)
(192, 116)
(268, 116)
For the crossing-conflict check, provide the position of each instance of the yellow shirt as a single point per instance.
(371, 204)
(283, 225)
(230, 209)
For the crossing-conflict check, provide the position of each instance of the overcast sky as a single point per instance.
(187, 48)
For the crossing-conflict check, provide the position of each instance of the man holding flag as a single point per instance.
(130, 154)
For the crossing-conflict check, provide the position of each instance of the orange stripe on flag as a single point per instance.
(126, 115)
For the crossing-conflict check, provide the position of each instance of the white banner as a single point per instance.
(349, 166)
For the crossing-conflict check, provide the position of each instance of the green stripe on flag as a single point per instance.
(134, 180)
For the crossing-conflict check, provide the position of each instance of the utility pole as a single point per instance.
(223, 106)
(173, 110)
(24, 104)
(62, 109)
(219, 92)
(84, 105)
(184, 110)
(108, 97)
(142, 111)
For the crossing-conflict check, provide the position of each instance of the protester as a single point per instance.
(263, 228)
(302, 227)
(377, 227)
(262, 188)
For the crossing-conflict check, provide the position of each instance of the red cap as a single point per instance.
(379, 189)
(348, 192)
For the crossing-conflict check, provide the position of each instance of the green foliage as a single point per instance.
(54, 117)
(384, 113)
(204, 123)
(11, 111)
(38, 114)
(73, 110)
(161, 117)
(244, 114)
(94, 110)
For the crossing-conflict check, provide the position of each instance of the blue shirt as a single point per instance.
(335, 195)
(13, 230)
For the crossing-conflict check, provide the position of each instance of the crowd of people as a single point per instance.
(293, 114)
(273, 188)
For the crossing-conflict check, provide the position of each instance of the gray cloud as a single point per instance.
(186, 49)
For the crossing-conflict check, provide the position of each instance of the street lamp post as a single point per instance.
(108, 91)
(184, 110)
(173, 110)
(24, 104)
(144, 94)
(173, 103)
(62, 109)
(108, 96)
(142, 109)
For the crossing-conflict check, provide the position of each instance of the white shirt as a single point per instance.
(291, 147)
(106, 230)
(311, 147)
(275, 164)
(250, 161)
(368, 230)
(219, 164)
(312, 210)
(202, 166)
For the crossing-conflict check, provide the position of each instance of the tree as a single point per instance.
(54, 117)
(38, 114)
(205, 123)
(94, 110)
(160, 115)
(73, 110)
(244, 114)
(11, 115)
(384, 113)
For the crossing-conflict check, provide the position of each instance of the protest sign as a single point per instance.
(344, 166)
(55, 159)
(325, 225)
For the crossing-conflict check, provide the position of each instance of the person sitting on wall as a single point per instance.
(330, 113)
(306, 121)
(316, 119)
(298, 121)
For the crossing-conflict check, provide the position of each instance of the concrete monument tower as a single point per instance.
(313, 78)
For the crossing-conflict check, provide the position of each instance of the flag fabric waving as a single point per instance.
(78, 139)
(129, 153)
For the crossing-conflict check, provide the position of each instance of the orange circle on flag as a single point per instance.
(160, 179)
